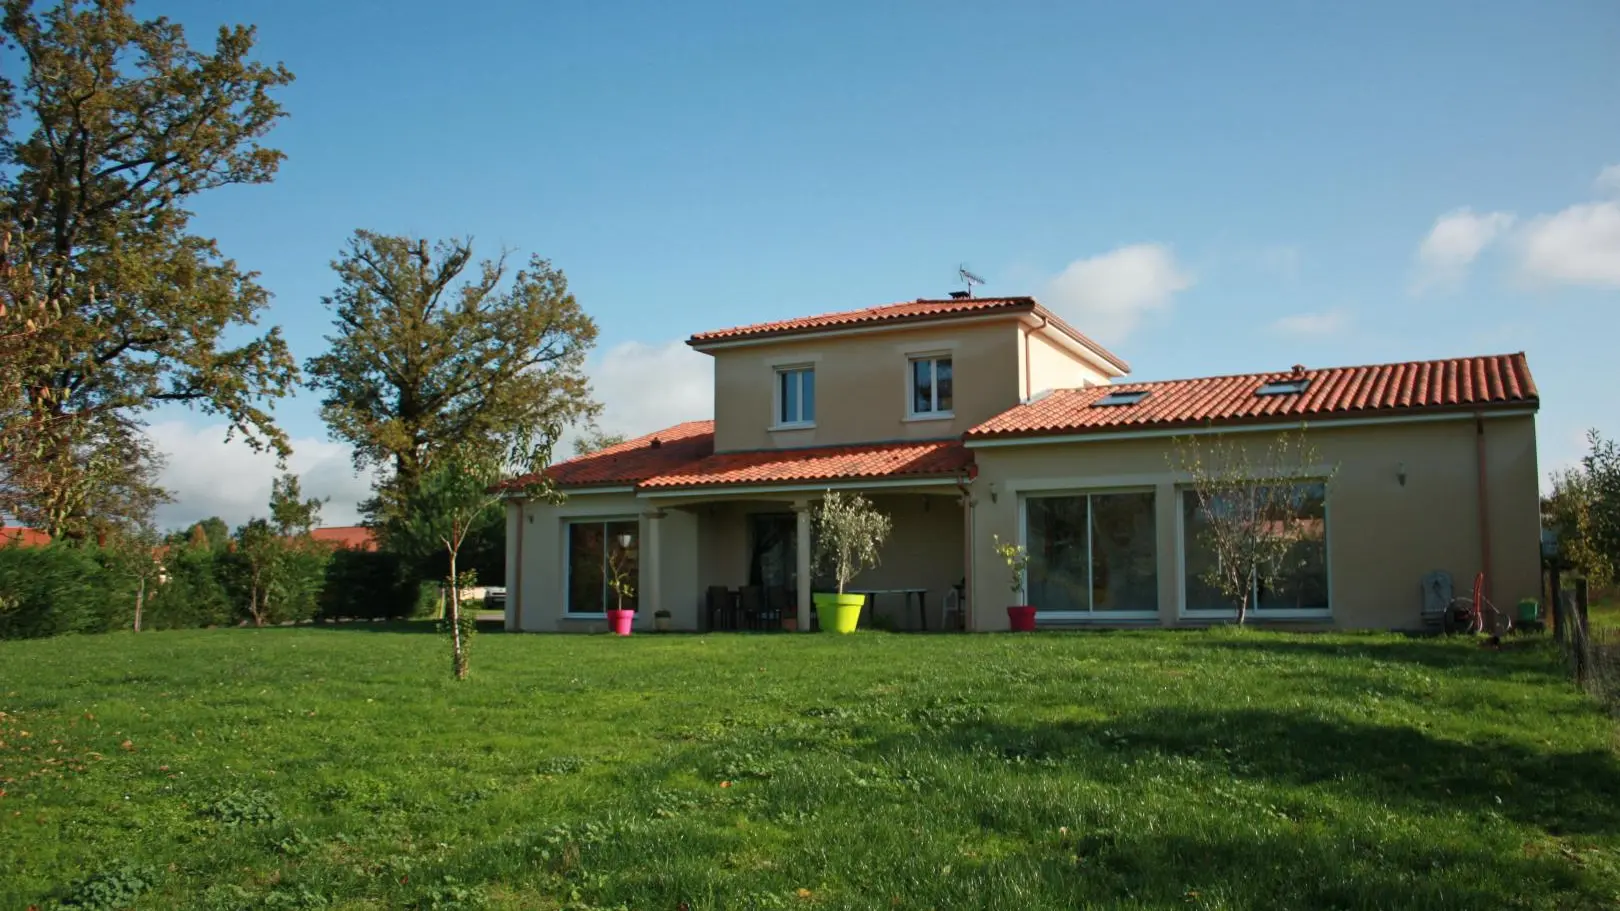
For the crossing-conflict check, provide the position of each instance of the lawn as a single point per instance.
(342, 768)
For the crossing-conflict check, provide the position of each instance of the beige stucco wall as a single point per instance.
(1050, 366)
(1383, 536)
(861, 385)
(668, 568)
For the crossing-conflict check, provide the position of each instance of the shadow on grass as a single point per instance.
(1515, 657)
(1560, 793)
(403, 626)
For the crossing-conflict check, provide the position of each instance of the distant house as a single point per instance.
(346, 537)
(16, 535)
(972, 420)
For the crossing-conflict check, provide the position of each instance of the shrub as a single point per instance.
(191, 594)
(60, 588)
(367, 585)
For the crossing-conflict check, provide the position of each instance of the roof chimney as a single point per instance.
(656, 443)
(961, 295)
(1299, 370)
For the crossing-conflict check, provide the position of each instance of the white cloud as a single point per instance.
(1453, 244)
(1106, 296)
(1328, 322)
(649, 387)
(1608, 180)
(1578, 246)
(210, 477)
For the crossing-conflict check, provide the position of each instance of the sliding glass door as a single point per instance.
(1092, 555)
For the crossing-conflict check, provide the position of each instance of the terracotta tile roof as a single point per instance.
(23, 537)
(351, 537)
(910, 311)
(1458, 383)
(632, 461)
(825, 463)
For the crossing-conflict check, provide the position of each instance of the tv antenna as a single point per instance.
(968, 278)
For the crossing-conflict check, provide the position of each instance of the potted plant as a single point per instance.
(661, 620)
(849, 534)
(1020, 617)
(790, 624)
(620, 570)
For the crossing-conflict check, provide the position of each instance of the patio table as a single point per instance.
(922, 601)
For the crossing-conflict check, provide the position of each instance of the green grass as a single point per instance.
(341, 768)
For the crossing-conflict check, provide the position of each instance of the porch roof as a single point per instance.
(1457, 384)
(683, 456)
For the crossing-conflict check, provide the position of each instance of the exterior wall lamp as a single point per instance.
(1400, 473)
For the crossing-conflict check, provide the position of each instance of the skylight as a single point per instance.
(1123, 397)
(1283, 387)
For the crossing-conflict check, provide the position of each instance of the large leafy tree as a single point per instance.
(432, 351)
(109, 304)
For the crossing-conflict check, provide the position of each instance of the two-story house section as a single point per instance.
(969, 420)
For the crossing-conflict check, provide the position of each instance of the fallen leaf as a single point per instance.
(127, 746)
(725, 784)
(804, 893)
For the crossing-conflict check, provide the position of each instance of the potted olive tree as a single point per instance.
(1020, 617)
(849, 535)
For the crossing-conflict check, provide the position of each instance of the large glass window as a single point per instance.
(595, 551)
(796, 396)
(1303, 586)
(1092, 553)
(931, 386)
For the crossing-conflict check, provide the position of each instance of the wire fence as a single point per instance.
(1593, 654)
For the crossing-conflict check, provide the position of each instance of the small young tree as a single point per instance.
(849, 535)
(293, 515)
(444, 506)
(133, 554)
(621, 572)
(260, 552)
(1246, 498)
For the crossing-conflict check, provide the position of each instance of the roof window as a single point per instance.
(1283, 387)
(1123, 397)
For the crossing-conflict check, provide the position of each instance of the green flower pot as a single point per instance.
(839, 613)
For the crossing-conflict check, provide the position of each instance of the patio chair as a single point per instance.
(721, 605)
(778, 604)
(751, 606)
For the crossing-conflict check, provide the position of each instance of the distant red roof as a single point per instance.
(1457, 384)
(22, 537)
(685, 457)
(351, 537)
(919, 310)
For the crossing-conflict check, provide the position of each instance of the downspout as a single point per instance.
(1028, 383)
(1484, 506)
(962, 482)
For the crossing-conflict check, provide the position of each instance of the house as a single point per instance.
(346, 537)
(19, 536)
(970, 420)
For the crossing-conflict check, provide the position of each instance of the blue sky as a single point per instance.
(1207, 187)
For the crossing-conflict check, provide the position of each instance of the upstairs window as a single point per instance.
(931, 386)
(795, 396)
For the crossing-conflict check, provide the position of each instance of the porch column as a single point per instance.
(801, 511)
(651, 564)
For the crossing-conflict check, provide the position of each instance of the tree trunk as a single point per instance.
(458, 655)
(140, 599)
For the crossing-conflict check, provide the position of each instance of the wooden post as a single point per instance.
(1557, 604)
(1580, 603)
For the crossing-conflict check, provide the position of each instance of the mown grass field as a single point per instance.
(341, 768)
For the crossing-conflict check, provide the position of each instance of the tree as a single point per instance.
(109, 306)
(1584, 509)
(849, 535)
(216, 535)
(425, 360)
(134, 554)
(1246, 499)
(260, 552)
(593, 439)
(292, 515)
(447, 503)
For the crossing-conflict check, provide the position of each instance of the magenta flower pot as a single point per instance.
(620, 621)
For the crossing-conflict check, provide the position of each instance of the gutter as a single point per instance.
(963, 481)
(1484, 507)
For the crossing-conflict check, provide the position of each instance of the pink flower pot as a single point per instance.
(1021, 618)
(620, 621)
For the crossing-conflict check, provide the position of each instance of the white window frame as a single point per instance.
(934, 357)
(568, 563)
(777, 373)
(1094, 616)
(1323, 613)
